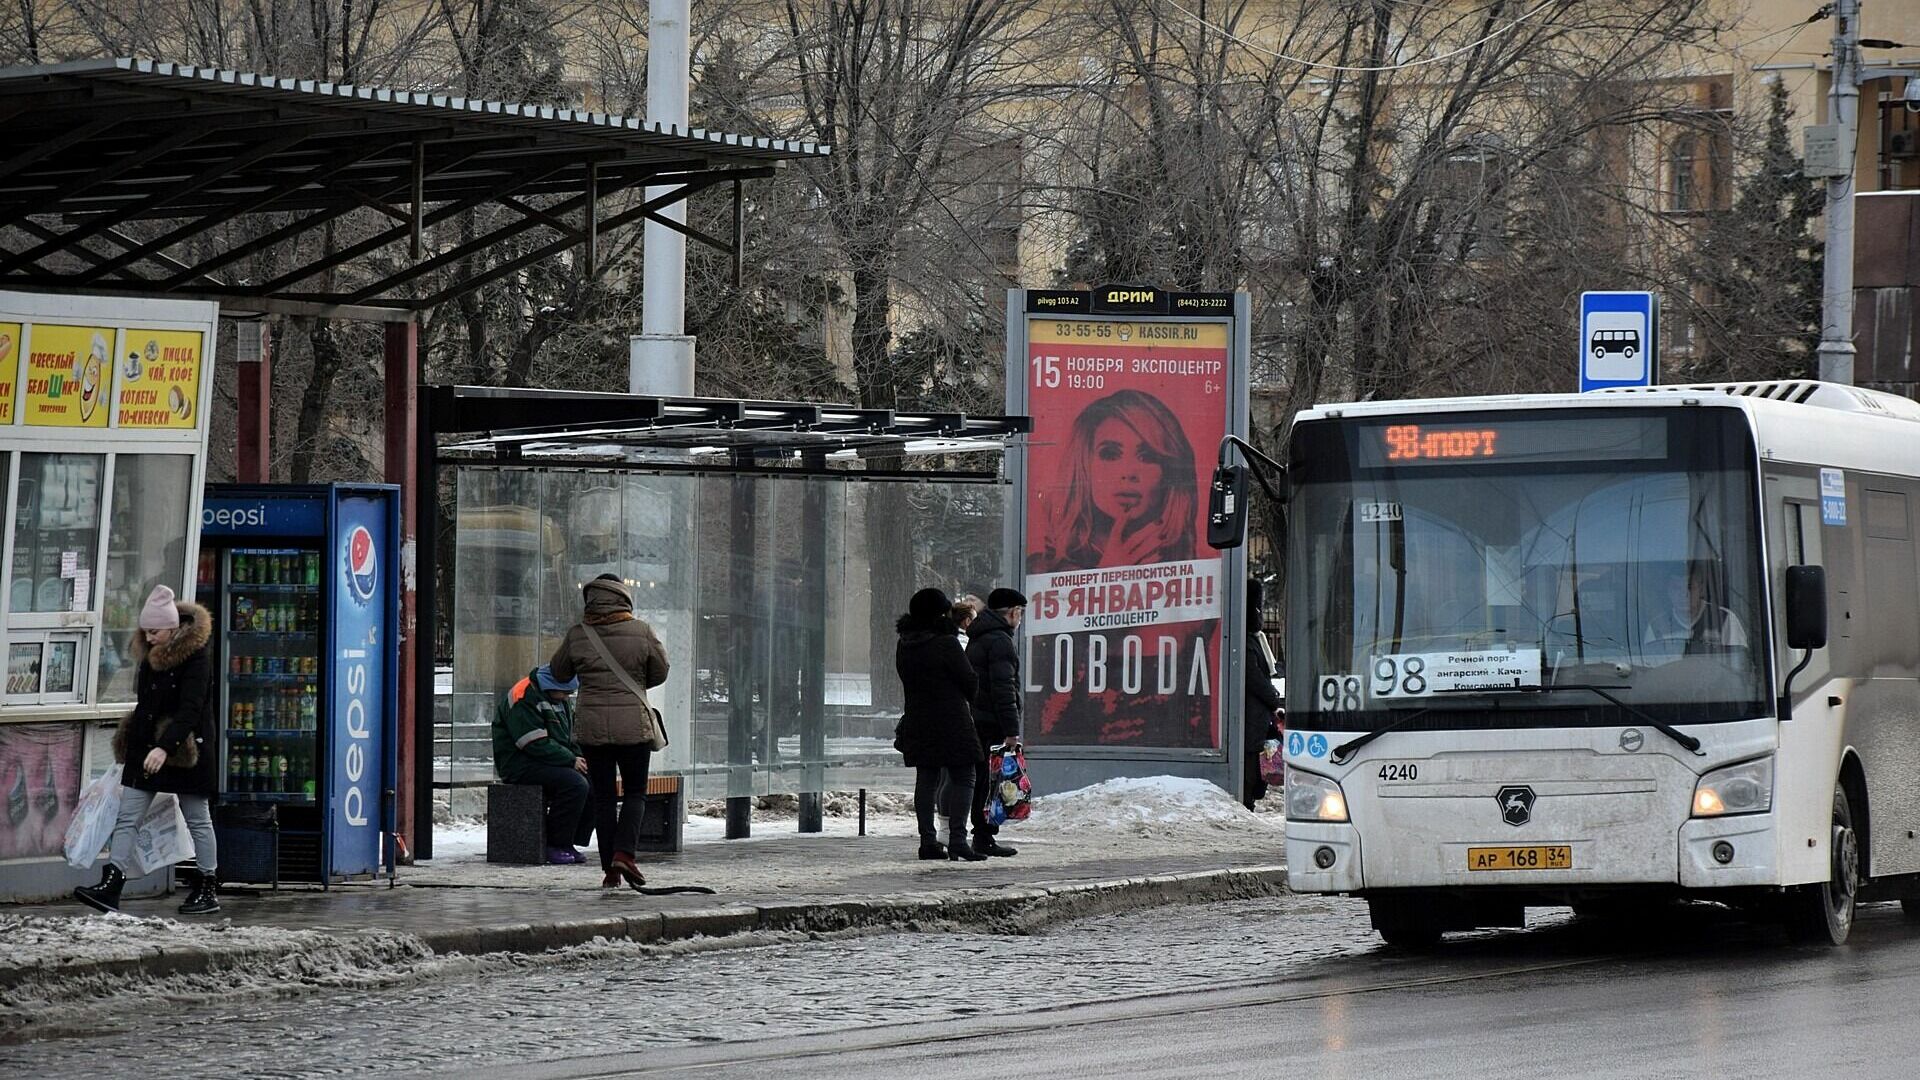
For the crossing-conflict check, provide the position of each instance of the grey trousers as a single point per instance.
(133, 806)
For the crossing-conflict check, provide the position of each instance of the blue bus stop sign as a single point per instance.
(1619, 339)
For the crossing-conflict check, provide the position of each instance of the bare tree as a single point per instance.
(893, 85)
(1387, 177)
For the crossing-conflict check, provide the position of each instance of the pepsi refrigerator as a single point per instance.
(302, 581)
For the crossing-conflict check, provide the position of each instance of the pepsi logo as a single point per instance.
(362, 567)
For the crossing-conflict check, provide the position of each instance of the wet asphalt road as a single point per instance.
(1691, 994)
(1288, 987)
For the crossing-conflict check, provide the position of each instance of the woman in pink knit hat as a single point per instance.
(167, 744)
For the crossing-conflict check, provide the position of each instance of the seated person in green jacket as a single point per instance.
(533, 744)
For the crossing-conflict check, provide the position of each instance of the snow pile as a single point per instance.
(40, 990)
(1150, 807)
(40, 941)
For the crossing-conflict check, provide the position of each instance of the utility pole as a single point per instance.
(1843, 109)
(660, 357)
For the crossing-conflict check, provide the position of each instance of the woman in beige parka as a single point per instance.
(615, 728)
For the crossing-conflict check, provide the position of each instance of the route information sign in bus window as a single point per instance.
(1638, 438)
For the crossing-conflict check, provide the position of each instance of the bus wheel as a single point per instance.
(1823, 914)
(1403, 924)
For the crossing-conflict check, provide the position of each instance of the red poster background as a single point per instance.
(1114, 405)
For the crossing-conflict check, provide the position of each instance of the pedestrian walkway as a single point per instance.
(1084, 860)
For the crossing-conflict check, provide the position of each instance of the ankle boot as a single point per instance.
(957, 849)
(106, 895)
(985, 844)
(201, 899)
(932, 849)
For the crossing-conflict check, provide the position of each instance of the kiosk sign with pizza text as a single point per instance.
(1129, 399)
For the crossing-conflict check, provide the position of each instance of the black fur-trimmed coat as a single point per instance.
(175, 710)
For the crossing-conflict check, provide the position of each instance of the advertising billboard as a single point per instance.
(1123, 633)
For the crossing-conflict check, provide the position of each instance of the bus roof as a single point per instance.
(1798, 420)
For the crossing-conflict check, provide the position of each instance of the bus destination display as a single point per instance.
(1582, 439)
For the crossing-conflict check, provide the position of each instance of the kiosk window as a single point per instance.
(146, 546)
(56, 530)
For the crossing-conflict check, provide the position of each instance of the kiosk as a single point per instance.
(103, 434)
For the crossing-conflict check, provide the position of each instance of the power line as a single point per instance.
(1449, 54)
(1824, 12)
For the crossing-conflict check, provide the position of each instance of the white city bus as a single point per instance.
(1538, 651)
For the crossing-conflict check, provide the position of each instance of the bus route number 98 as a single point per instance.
(1341, 693)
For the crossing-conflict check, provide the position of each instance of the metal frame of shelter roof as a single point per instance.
(490, 426)
(114, 168)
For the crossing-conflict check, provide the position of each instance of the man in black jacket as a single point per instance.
(996, 706)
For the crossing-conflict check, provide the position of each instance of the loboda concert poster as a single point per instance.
(1124, 595)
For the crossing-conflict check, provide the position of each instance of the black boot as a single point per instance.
(957, 849)
(985, 844)
(932, 849)
(201, 899)
(106, 895)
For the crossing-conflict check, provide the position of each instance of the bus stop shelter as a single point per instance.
(752, 535)
(146, 179)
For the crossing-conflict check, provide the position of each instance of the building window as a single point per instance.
(146, 546)
(1683, 169)
(56, 532)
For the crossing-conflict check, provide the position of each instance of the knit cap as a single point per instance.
(160, 612)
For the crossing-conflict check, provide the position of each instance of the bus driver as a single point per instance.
(1691, 618)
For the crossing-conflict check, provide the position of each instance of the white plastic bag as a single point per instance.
(93, 819)
(161, 840)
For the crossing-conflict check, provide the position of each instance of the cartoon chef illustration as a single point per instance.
(90, 378)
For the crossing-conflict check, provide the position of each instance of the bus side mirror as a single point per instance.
(1806, 607)
(1227, 507)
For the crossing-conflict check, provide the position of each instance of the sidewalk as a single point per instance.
(1108, 848)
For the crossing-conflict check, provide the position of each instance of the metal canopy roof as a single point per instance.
(115, 174)
(636, 431)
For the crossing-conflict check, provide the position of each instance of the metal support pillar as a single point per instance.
(426, 508)
(812, 658)
(663, 346)
(402, 436)
(742, 653)
(254, 433)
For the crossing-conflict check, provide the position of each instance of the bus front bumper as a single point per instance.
(1309, 843)
(1750, 840)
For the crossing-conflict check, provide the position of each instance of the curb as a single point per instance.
(1017, 909)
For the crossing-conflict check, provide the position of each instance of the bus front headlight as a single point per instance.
(1746, 788)
(1314, 798)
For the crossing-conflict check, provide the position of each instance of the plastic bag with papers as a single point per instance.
(93, 819)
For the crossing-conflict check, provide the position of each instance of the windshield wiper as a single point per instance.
(1642, 715)
(1346, 749)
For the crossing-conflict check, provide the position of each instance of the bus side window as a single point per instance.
(1802, 534)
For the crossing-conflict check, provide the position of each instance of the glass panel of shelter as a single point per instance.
(758, 587)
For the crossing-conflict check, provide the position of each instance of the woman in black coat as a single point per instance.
(168, 744)
(936, 728)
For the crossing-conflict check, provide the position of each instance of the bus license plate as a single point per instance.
(1543, 857)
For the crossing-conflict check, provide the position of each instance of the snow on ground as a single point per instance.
(1120, 819)
(56, 942)
(1150, 808)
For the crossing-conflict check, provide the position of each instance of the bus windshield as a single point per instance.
(1457, 564)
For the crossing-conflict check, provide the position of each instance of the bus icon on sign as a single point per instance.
(1622, 343)
(1619, 342)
